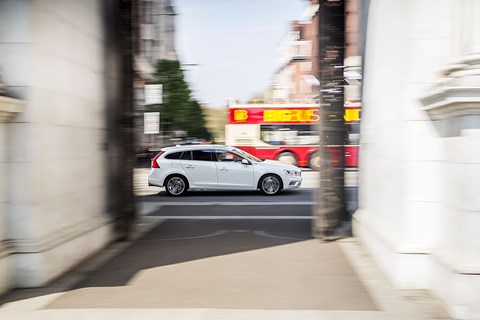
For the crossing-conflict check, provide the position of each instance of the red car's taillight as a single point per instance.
(154, 161)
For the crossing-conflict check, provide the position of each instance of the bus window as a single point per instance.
(289, 134)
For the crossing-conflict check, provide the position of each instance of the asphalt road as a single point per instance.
(210, 214)
(202, 214)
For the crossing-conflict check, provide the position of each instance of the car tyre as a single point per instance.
(176, 186)
(288, 158)
(270, 184)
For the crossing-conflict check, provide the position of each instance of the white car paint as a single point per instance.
(219, 175)
(202, 174)
(235, 175)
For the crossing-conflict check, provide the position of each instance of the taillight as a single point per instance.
(154, 161)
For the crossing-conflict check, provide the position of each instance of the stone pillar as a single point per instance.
(65, 150)
(9, 107)
(419, 214)
(454, 107)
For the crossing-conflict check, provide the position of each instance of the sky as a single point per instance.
(229, 47)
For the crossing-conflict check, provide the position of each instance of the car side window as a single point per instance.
(227, 156)
(202, 155)
(174, 155)
(187, 155)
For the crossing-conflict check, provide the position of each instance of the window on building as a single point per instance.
(148, 11)
(148, 48)
(305, 48)
(305, 87)
(306, 66)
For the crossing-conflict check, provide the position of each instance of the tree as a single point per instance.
(197, 125)
(179, 111)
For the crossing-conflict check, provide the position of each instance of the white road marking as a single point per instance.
(214, 234)
(245, 203)
(222, 232)
(268, 235)
(238, 217)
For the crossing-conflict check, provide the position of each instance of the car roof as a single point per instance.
(197, 147)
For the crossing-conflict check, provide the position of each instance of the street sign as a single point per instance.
(153, 94)
(151, 122)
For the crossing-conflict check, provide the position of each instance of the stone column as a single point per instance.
(453, 105)
(66, 150)
(9, 107)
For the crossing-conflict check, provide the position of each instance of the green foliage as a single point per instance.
(179, 111)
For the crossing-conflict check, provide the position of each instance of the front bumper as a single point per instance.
(292, 182)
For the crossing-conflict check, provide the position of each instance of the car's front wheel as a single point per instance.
(176, 186)
(270, 184)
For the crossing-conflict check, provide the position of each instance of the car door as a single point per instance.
(232, 174)
(200, 168)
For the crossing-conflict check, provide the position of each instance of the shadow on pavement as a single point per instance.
(178, 241)
(173, 242)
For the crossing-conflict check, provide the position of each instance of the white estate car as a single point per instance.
(216, 167)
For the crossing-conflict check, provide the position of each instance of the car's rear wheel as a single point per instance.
(288, 158)
(176, 186)
(270, 184)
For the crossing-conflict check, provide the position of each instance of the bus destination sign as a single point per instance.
(274, 115)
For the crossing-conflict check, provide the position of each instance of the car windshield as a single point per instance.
(247, 155)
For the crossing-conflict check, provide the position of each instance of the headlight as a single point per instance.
(292, 172)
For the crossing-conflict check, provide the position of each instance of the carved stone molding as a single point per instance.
(454, 103)
(9, 107)
(5, 250)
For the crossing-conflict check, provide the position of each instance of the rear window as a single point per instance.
(174, 155)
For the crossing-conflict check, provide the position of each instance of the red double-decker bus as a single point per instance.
(283, 131)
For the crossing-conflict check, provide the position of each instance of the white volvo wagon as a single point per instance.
(216, 167)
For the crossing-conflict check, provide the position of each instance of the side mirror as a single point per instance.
(245, 161)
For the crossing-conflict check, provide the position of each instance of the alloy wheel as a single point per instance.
(270, 185)
(176, 186)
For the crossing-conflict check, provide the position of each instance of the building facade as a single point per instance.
(419, 212)
(297, 62)
(156, 23)
(155, 20)
(62, 150)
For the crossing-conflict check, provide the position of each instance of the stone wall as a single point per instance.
(419, 165)
(9, 108)
(53, 55)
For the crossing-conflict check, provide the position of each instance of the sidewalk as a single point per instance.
(301, 280)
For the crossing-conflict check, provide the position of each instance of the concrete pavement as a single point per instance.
(173, 271)
(305, 279)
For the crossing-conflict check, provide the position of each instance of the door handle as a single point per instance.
(189, 167)
(223, 169)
